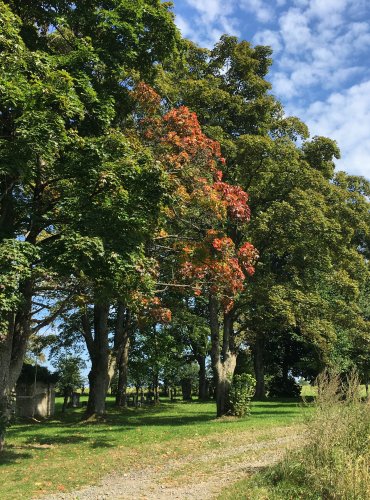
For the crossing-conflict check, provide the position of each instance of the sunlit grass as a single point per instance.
(65, 452)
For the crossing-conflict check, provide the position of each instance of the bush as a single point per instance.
(241, 393)
(283, 388)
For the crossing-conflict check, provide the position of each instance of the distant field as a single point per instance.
(309, 390)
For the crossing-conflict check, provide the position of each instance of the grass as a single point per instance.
(65, 453)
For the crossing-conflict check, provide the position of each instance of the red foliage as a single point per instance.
(183, 134)
(236, 201)
(248, 255)
(215, 265)
(150, 309)
(192, 160)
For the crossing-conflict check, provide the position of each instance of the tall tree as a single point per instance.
(301, 219)
(67, 69)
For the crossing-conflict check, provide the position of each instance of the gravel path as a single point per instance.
(198, 476)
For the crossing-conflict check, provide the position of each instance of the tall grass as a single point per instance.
(335, 461)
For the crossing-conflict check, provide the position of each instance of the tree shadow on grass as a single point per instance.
(9, 456)
(61, 439)
(174, 420)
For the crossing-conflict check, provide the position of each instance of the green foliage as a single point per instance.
(280, 387)
(41, 373)
(15, 260)
(69, 372)
(241, 393)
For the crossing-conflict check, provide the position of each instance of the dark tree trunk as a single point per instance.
(285, 372)
(98, 387)
(259, 368)
(223, 358)
(186, 389)
(121, 351)
(99, 354)
(155, 388)
(4, 418)
(166, 390)
(202, 393)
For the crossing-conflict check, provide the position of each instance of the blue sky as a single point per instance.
(321, 69)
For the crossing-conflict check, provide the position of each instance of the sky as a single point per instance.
(321, 68)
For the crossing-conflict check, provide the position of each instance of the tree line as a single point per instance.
(156, 202)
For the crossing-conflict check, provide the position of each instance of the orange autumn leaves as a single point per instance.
(209, 259)
(216, 266)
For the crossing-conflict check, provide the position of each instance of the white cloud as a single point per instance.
(345, 117)
(212, 19)
(268, 37)
(212, 9)
(320, 46)
(185, 28)
(263, 11)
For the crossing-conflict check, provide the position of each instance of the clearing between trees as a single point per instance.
(175, 450)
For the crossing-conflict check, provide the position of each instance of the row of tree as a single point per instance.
(126, 156)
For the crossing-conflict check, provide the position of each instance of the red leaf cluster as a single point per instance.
(183, 133)
(217, 266)
(236, 200)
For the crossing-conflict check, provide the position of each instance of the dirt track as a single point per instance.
(201, 475)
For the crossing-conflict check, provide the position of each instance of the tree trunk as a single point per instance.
(259, 369)
(13, 345)
(186, 389)
(121, 398)
(202, 393)
(99, 354)
(223, 359)
(121, 351)
(5, 415)
(155, 388)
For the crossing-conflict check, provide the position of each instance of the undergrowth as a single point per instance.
(334, 463)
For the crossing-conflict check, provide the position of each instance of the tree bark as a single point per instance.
(155, 387)
(202, 393)
(13, 345)
(259, 368)
(121, 398)
(121, 348)
(99, 354)
(186, 389)
(223, 359)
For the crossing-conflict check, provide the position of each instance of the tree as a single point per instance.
(65, 99)
(205, 211)
(310, 266)
(69, 375)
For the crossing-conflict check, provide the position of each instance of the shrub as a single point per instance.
(241, 393)
(278, 387)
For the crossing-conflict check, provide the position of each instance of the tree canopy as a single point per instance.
(158, 207)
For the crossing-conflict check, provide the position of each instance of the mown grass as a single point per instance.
(65, 453)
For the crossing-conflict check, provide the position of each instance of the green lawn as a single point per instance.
(65, 452)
